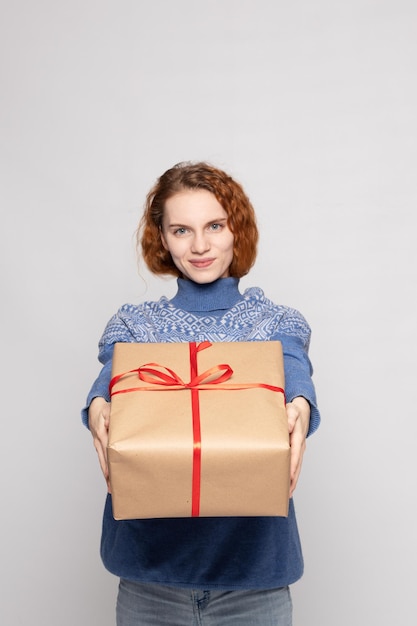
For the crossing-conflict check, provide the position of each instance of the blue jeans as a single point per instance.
(159, 605)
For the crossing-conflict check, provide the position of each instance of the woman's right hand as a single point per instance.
(98, 423)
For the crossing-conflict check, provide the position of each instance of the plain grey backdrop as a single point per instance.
(311, 104)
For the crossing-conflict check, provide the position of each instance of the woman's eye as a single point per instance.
(180, 231)
(216, 227)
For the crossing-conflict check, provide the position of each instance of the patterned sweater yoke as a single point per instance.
(252, 317)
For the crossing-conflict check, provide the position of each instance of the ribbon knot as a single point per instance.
(156, 374)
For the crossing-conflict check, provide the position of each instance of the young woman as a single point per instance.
(199, 226)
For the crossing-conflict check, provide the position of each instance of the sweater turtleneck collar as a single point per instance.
(222, 294)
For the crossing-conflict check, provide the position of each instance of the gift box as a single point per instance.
(198, 429)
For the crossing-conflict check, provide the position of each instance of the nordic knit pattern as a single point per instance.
(253, 318)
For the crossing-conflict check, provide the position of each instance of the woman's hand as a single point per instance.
(298, 413)
(98, 423)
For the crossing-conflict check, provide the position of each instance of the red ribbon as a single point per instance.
(170, 381)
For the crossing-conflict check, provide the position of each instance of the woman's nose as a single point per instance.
(200, 243)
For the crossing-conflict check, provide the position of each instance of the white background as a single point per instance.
(312, 106)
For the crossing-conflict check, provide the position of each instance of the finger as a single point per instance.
(298, 446)
(294, 471)
(102, 458)
(105, 469)
(294, 463)
(294, 481)
(292, 416)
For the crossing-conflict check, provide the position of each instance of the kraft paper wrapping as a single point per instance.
(153, 448)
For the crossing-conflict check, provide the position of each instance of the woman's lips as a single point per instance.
(201, 263)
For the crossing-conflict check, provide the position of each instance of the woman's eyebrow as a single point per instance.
(217, 221)
(177, 225)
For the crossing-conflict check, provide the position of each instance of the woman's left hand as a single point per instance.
(298, 414)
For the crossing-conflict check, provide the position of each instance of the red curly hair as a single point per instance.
(240, 216)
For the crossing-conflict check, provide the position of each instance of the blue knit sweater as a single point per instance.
(206, 553)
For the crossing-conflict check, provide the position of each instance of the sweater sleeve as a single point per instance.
(294, 333)
(100, 387)
(116, 331)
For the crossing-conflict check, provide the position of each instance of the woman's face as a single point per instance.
(195, 232)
